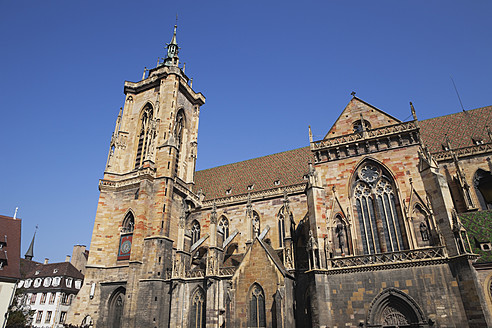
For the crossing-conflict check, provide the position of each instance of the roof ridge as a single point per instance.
(250, 159)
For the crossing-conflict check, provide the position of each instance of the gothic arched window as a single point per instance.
(257, 316)
(197, 310)
(224, 226)
(357, 126)
(116, 303)
(126, 237)
(144, 135)
(376, 207)
(178, 135)
(128, 223)
(195, 232)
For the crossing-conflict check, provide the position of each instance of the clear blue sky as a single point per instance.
(268, 69)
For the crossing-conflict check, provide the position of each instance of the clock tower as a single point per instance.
(146, 191)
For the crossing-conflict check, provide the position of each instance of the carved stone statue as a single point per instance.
(340, 232)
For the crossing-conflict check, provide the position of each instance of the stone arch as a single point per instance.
(144, 133)
(224, 226)
(422, 225)
(376, 203)
(482, 181)
(128, 223)
(116, 305)
(197, 308)
(488, 291)
(256, 306)
(87, 322)
(195, 229)
(394, 308)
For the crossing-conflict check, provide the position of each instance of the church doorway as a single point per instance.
(393, 308)
(116, 303)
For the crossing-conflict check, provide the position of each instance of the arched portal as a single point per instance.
(394, 308)
(116, 304)
(483, 187)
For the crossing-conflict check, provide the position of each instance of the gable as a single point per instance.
(352, 113)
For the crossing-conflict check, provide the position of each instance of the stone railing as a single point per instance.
(463, 152)
(195, 274)
(133, 178)
(410, 256)
(369, 134)
(256, 195)
(229, 271)
(223, 272)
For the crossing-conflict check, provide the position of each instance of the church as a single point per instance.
(382, 223)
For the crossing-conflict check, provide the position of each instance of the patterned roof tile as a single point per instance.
(289, 167)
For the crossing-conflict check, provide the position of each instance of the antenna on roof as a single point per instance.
(15, 213)
(457, 94)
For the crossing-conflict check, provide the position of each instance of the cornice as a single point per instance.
(463, 152)
(258, 195)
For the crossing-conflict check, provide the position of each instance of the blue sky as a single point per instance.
(267, 68)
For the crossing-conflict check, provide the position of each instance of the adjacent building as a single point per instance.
(382, 223)
(48, 289)
(10, 241)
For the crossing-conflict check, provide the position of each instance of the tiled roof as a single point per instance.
(461, 128)
(479, 228)
(11, 241)
(288, 168)
(47, 270)
(26, 266)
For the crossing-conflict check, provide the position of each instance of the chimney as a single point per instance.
(67, 259)
(46, 260)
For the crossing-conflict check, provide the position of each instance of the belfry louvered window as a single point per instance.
(257, 317)
(377, 212)
(144, 136)
(178, 134)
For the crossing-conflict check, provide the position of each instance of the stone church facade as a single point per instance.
(360, 229)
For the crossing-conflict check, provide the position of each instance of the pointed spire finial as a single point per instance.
(30, 251)
(414, 114)
(310, 134)
(172, 50)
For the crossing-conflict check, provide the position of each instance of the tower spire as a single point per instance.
(30, 251)
(172, 50)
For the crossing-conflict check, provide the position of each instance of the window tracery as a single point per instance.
(144, 135)
(357, 126)
(197, 312)
(195, 232)
(224, 226)
(257, 317)
(379, 218)
(178, 134)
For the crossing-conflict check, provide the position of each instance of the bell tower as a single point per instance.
(148, 177)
